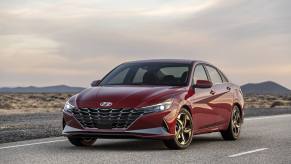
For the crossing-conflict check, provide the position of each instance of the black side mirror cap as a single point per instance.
(95, 83)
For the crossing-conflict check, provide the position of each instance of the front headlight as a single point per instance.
(68, 107)
(159, 107)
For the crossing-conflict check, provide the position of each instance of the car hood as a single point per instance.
(125, 97)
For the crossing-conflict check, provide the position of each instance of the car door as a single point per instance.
(219, 102)
(203, 113)
(227, 99)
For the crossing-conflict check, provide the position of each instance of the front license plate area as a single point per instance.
(104, 124)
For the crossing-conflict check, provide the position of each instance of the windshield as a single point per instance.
(169, 74)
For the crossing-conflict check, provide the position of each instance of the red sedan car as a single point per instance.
(170, 100)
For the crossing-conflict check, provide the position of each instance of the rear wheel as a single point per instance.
(183, 131)
(82, 141)
(234, 127)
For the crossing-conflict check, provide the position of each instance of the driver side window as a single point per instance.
(199, 74)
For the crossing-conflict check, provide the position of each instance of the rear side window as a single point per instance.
(224, 78)
(199, 74)
(214, 75)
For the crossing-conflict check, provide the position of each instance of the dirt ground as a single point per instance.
(267, 101)
(17, 103)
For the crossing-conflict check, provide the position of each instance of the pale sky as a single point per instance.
(73, 42)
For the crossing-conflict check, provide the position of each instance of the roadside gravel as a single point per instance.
(20, 127)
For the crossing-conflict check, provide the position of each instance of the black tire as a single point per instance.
(234, 127)
(179, 142)
(82, 141)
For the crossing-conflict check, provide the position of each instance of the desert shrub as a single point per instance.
(32, 97)
(4, 105)
(271, 98)
(261, 97)
(277, 103)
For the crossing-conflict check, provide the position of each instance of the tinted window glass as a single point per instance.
(214, 75)
(119, 78)
(138, 78)
(179, 73)
(224, 78)
(199, 74)
(172, 74)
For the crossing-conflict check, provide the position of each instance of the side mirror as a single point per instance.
(203, 84)
(95, 83)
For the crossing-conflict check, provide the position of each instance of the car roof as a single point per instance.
(182, 61)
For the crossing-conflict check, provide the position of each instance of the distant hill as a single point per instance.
(50, 89)
(263, 88)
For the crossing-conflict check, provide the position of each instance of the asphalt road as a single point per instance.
(20, 127)
(264, 140)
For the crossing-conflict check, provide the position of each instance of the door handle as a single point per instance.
(228, 88)
(212, 92)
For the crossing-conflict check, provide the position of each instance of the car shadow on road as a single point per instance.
(142, 144)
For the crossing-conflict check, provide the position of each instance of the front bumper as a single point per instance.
(158, 125)
(154, 133)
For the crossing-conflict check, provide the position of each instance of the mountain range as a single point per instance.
(263, 88)
(49, 89)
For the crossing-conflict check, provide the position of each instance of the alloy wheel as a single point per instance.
(236, 122)
(183, 129)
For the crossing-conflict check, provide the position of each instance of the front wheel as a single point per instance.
(183, 131)
(234, 127)
(82, 141)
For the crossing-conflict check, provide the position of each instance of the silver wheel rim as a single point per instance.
(183, 129)
(236, 122)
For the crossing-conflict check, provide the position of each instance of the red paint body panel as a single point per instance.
(125, 96)
(210, 107)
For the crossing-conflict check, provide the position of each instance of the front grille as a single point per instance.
(108, 118)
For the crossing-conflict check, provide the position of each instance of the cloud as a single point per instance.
(180, 10)
(82, 40)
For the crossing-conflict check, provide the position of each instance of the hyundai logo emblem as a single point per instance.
(105, 104)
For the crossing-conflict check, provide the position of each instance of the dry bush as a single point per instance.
(267, 101)
(32, 102)
(277, 103)
(51, 102)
